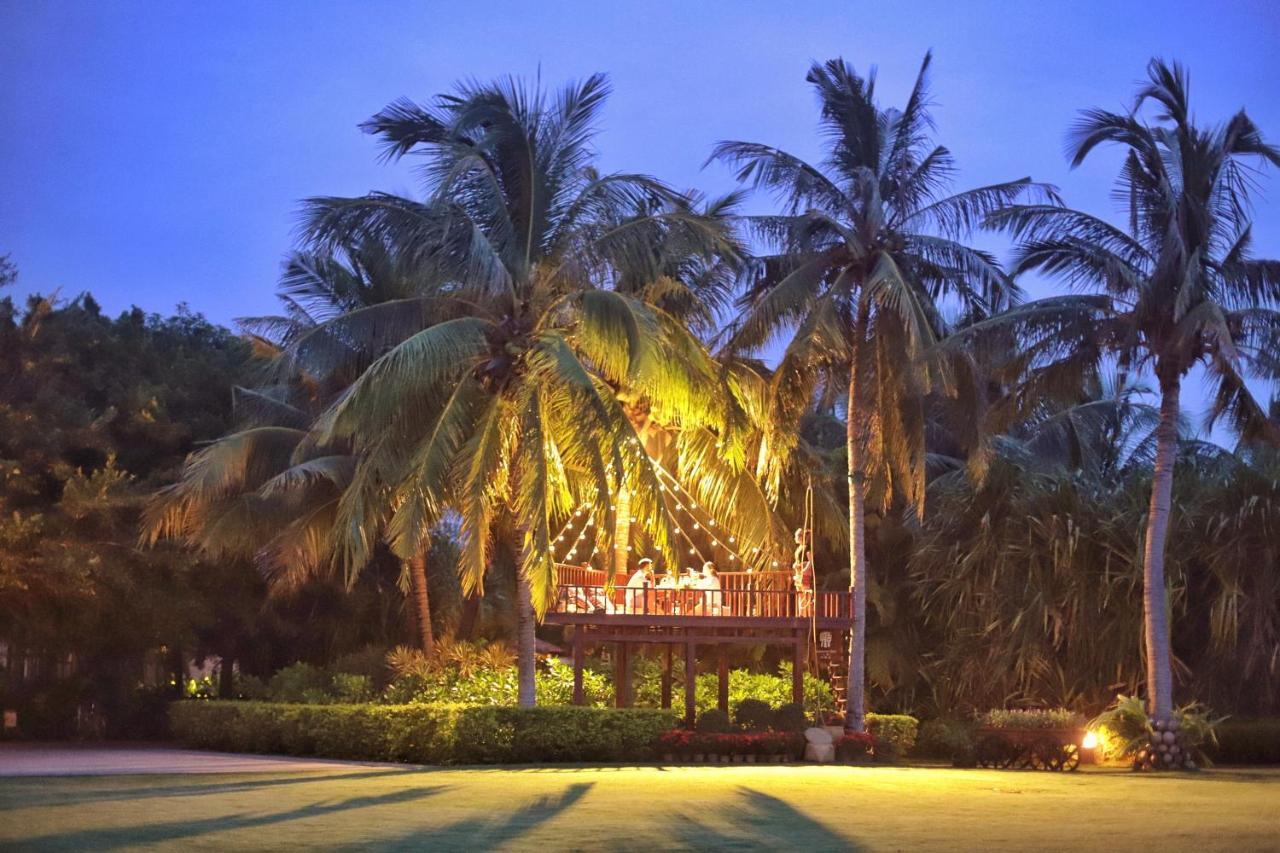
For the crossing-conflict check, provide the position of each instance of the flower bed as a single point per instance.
(751, 747)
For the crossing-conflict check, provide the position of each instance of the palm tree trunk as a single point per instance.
(470, 613)
(1155, 603)
(422, 600)
(855, 701)
(622, 532)
(526, 640)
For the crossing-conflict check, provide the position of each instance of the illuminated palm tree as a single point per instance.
(509, 408)
(1176, 290)
(867, 251)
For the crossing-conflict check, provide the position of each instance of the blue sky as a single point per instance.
(154, 152)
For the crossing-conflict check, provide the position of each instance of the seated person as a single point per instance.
(709, 580)
(640, 580)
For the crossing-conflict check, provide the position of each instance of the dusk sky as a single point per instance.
(154, 153)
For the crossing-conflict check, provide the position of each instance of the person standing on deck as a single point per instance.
(802, 572)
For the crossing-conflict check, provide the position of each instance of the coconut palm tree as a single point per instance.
(867, 250)
(508, 410)
(266, 492)
(1174, 290)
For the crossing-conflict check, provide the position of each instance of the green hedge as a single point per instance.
(897, 729)
(422, 734)
(1247, 742)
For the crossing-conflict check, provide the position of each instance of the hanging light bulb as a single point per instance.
(695, 525)
(730, 540)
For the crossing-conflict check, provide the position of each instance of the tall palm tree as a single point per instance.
(1174, 290)
(868, 249)
(508, 409)
(266, 492)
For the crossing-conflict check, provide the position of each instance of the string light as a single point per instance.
(676, 488)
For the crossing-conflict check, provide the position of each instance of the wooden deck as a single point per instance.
(744, 600)
(748, 608)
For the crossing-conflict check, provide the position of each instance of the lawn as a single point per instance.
(645, 808)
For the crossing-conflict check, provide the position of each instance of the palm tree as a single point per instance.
(1175, 290)
(867, 251)
(508, 409)
(266, 492)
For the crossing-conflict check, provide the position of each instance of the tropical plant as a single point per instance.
(268, 492)
(867, 250)
(507, 410)
(1176, 741)
(1175, 290)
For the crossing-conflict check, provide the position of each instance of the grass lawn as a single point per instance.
(645, 808)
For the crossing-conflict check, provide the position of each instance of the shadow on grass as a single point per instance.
(485, 833)
(22, 795)
(758, 821)
(155, 833)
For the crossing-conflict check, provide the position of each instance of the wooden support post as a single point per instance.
(797, 669)
(621, 669)
(722, 697)
(690, 683)
(626, 676)
(666, 675)
(579, 698)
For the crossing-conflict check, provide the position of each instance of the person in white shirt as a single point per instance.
(640, 580)
(709, 580)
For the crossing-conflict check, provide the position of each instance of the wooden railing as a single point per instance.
(570, 575)
(746, 601)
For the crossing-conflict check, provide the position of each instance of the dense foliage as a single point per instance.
(459, 373)
(94, 413)
(422, 734)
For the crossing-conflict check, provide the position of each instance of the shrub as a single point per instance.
(951, 740)
(753, 714)
(1247, 742)
(790, 718)
(1052, 718)
(713, 721)
(422, 734)
(854, 746)
(371, 662)
(898, 730)
(481, 684)
(684, 743)
(301, 682)
(251, 687)
(351, 689)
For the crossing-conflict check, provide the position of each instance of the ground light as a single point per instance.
(1090, 748)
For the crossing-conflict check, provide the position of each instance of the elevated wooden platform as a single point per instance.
(748, 608)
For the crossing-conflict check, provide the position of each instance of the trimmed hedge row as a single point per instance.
(1247, 742)
(899, 730)
(422, 734)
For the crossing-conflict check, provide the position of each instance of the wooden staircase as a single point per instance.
(833, 665)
